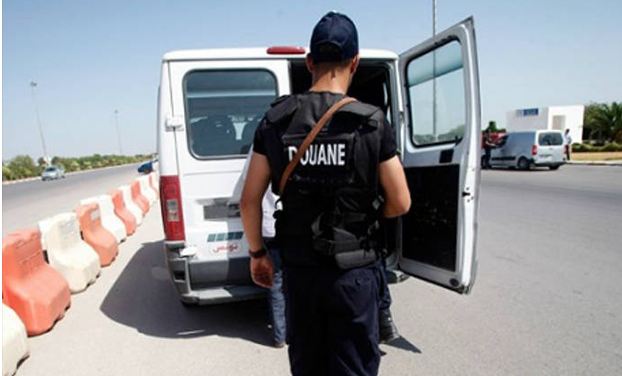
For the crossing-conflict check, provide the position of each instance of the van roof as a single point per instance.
(258, 53)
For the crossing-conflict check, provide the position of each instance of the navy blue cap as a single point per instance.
(334, 39)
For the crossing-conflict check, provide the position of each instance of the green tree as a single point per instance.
(7, 174)
(23, 166)
(604, 121)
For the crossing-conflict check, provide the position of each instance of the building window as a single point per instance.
(527, 112)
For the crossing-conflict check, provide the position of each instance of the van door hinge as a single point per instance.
(174, 123)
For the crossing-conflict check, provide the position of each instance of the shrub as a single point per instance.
(7, 174)
(613, 146)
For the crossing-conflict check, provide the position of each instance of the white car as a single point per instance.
(211, 101)
(53, 173)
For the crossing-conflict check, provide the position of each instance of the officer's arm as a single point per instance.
(393, 181)
(254, 189)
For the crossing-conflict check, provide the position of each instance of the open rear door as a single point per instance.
(441, 154)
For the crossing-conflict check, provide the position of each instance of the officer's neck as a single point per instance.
(334, 83)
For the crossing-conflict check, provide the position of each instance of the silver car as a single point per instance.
(53, 173)
(528, 149)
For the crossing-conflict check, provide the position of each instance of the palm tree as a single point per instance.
(605, 121)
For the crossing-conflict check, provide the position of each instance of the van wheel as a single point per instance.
(523, 164)
(553, 167)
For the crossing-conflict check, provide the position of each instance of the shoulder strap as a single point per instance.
(309, 139)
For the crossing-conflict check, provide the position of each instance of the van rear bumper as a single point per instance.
(540, 163)
(225, 282)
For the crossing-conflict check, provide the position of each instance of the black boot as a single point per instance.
(387, 328)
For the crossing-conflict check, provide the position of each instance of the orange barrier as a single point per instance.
(138, 197)
(94, 234)
(36, 292)
(122, 212)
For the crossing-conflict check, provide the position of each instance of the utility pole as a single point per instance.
(33, 85)
(116, 125)
(434, 71)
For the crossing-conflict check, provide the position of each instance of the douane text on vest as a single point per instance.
(321, 155)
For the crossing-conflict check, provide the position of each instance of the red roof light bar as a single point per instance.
(285, 50)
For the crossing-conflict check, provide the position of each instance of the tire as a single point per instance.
(555, 167)
(523, 164)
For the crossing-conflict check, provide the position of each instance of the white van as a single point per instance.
(528, 149)
(210, 102)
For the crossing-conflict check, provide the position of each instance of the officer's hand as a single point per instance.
(262, 271)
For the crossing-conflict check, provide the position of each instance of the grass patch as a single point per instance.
(603, 156)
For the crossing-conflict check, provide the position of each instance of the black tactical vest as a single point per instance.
(330, 206)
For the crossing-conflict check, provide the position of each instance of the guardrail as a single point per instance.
(36, 290)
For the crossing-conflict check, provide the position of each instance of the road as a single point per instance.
(25, 203)
(546, 302)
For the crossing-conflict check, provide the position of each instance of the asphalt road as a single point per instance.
(25, 203)
(546, 302)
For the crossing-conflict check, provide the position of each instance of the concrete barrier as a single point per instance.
(44, 227)
(109, 219)
(95, 235)
(122, 212)
(147, 190)
(32, 288)
(141, 201)
(131, 205)
(14, 341)
(73, 258)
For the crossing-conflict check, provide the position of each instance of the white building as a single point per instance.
(554, 117)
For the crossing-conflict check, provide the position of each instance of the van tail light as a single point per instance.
(170, 204)
(534, 149)
(285, 50)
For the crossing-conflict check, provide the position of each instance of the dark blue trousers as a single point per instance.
(332, 320)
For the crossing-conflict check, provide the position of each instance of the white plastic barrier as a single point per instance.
(146, 190)
(44, 226)
(72, 257)
(110, 221)
(155, 182)
(14, 343)
(130, 204)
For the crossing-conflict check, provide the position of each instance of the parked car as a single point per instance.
(145, 168)
(53, 173)
(210, 103)
(528, 149)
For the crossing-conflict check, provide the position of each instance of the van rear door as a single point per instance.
(550, 148)
(217, 105)
(441, 154)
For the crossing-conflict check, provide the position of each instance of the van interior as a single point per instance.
(430, 227)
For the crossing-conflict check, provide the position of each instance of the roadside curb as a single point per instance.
(594, 163)
(67, 174)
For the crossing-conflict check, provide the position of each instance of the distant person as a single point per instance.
(568, 143)
(488, 146)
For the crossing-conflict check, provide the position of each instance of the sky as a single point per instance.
(90, 58)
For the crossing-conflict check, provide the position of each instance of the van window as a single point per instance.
(436, 94)
(223, 109)
(550, 139)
